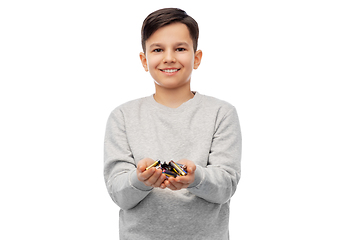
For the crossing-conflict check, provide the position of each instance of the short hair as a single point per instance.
(166, 16)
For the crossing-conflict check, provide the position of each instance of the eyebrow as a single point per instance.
(182, 43)
(161, 45)
(155, 45)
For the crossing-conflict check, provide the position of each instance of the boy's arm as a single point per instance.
(119, 165)
(217, 182)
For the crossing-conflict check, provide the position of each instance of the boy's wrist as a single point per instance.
(198, 176)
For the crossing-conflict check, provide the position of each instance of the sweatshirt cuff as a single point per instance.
(199, 176)
(136, 183)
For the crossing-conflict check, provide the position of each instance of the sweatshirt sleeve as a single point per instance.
(217, 182)
(119, 165)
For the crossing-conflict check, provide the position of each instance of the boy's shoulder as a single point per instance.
(214, 102)
(131, 105)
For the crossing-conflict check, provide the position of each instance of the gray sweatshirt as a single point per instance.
(204, 130)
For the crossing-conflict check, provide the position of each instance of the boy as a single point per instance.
(177, 124)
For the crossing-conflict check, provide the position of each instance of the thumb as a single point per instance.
(141, 167)
(191, 168)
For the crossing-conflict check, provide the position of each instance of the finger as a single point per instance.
(190, 165)
(191, 169)
(141, 167)
(169, 185)
(154, 178)
(143, 176)
(176, 184)
(160, 180)
(144, 163)
(180, 185)
(185, 179)
(180, 179)
(162, 185)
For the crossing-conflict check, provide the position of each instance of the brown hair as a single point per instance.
(166, 16)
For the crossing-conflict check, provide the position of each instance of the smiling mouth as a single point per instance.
(170, 70)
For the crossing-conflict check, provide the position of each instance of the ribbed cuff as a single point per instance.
(136, 183)
(199, 176)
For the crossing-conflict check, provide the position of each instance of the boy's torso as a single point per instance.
(160, 133)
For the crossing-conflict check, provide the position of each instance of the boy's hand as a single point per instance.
(152, 177)
(182, 181)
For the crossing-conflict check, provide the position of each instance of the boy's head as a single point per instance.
(169, 41)
(166, 16)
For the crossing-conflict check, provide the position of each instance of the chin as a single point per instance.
(172, 85)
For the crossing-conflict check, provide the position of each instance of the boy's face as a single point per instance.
(170, 56)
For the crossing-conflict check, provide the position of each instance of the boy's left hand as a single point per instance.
(182, 181)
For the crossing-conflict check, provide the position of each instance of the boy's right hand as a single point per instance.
(152, 177)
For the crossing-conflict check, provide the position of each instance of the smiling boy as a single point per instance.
(170, 58)
(174, 123)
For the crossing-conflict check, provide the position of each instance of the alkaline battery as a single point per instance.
(166, 166)
(169, 173)
(177, 169)
(156, 163)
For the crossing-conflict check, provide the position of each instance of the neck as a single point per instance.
(172, 98)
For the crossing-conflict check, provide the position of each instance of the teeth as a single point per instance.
(170, 70)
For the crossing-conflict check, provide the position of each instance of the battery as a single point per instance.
(156, 163)
(178, 169)
(169, 173)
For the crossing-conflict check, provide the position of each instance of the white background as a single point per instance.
(65, 65)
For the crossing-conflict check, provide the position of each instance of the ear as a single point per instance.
(144, 61)
(197, 59)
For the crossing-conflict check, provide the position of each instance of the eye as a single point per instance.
(180, 49)
(157, 50)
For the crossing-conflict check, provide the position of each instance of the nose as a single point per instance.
(169, 57)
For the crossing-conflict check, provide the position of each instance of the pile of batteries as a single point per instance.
(170, 169)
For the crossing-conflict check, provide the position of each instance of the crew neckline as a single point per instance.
(186, 105)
